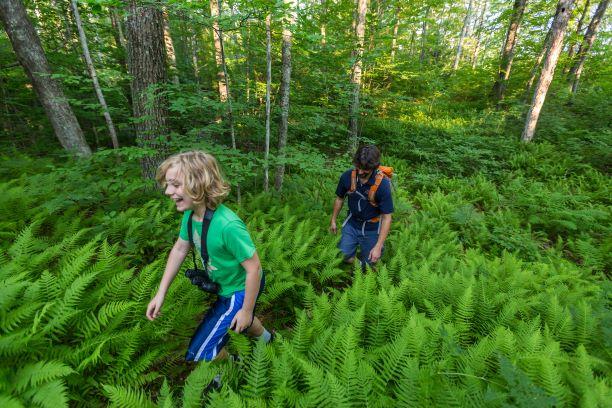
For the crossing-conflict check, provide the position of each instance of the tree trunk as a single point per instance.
(499, 88)
(572, 47)
(536, 66)
(170, 50)
(479, 31)
(558, 28)
(585, 46)
(94, 76)
(147, 62)
(217, 37)
(466, 23)
(32, 57)
(395, 31)
(360, 20)
(424, 36)
(284, 91)
(323, 28)
(268, 91)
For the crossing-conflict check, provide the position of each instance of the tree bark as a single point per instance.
(354, 106)
(466, 22)
(285, 91)
(558, 28)
(424, 36)
(217, 37)
(479, 31)
(395, 31)
(268, 91)
(585, 46)
(147, 62)
(170, 49)
(94, 76)
(503, 74)
(323, 28)
(574, 45)
(536, 66)
(32, 57)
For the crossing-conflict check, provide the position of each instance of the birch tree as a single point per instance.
(585, 46)
(94, 76)
(31, 56)
(466, 23)
(505, 64)
(268, 91)
(558, 28)
(284, 90)
(354, 105)
(574, 45)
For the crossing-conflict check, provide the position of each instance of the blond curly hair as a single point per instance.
(202, 178)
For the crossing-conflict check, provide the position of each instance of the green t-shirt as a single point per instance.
(228, 243)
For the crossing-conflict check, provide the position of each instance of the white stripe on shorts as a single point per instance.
(212, 332)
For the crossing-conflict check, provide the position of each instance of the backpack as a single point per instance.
(382, 172)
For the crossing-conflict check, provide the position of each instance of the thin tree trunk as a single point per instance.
(536, 66)
(268, 91)
(117, 28)
(574, 45)
(503, 74)
(249, 56)
(94, 76)
(354, 106)
(424, 35)
(466, 22)
(32, 57)
(585, 46)
(479, 31)
(395, 31)
(147, 62)
(558, 28)
(285, 91)
(323, 27)
(170, 49)
(217, 37)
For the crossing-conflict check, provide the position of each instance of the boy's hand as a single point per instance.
(154, 307)
(332, 227)
(242, 320)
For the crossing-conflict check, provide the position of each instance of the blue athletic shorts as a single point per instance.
(353, 237)
(212, 334)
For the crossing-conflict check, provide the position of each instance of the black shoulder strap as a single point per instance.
(203, 247)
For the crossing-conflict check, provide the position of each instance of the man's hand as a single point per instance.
(154, 307)
(241, 321)
(375, 254)
(332, 227)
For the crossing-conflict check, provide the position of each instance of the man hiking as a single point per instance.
(369, 207)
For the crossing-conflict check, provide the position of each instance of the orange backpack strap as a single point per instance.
(372, 194)
(353, 181)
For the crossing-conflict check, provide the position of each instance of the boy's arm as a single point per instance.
(243, 319)
(176, 257)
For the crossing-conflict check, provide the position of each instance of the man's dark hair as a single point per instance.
(367, 157)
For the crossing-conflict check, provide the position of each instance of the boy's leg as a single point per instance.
(256, 329)
(348, 242)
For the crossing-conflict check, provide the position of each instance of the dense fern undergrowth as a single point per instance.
(494, 289)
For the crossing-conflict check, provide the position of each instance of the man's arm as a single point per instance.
(333, 228)
(385, 226)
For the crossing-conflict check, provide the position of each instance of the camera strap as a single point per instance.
(203, 247)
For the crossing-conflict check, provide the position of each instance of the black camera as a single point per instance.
(201, 280)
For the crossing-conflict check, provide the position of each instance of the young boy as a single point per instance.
(193, 181)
